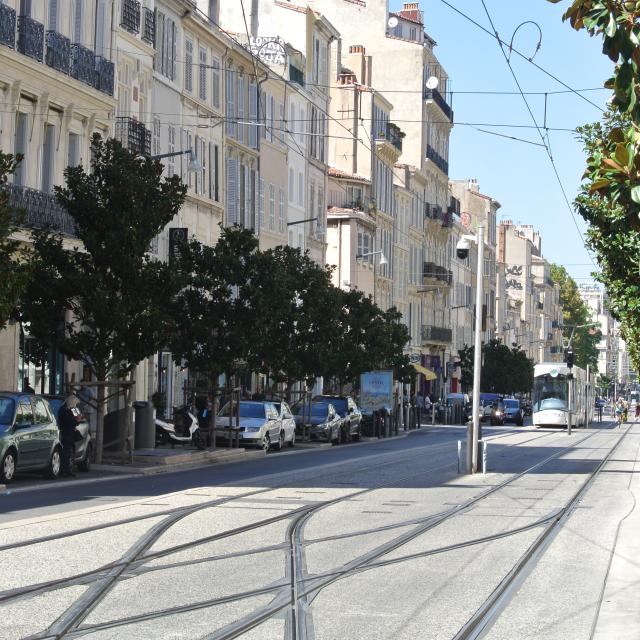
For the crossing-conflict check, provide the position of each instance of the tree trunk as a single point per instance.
(99, 422)
(214, 411)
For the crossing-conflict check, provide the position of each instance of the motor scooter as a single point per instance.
(183, 430)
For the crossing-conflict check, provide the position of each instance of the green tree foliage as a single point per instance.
(575, 313)
(610, 193)
(14, 256)
(504, 370)
(111, 293)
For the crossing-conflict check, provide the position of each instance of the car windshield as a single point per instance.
(7, 409)
(247, 410)
(511, 404)
(319, 409)
(339, 404)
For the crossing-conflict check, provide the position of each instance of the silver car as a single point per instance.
(259, 424)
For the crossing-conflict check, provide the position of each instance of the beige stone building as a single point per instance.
(57, 77)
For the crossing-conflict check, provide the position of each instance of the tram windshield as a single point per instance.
(550, 393)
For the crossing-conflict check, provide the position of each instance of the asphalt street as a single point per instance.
(378, 540)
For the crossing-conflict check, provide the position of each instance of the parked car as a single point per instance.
(260, 424)
(288, 422)
(324, 419)
(351, 416)
(507, 410)
(83, 447)
(487, 404)
(29, 437)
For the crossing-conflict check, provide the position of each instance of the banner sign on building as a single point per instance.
(376, 391)
(177, 235)
(269, 49)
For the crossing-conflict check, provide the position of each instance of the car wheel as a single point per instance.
(335, 440)
(55, 464)
(355, 437)
(85, 463)
(8, 468)
(266, 443)
(292, 442)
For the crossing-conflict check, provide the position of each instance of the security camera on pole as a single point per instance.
(474, 435)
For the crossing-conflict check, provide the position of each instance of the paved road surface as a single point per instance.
(370, 541)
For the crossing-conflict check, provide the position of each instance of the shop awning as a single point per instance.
(427, 373)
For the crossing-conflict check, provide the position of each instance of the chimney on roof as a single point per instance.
(411, 11)
(358, 60)
(410, 6)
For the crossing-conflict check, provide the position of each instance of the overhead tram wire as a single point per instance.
(542, 138)
(413, 91)
(514, 50)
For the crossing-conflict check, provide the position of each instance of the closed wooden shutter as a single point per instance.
(232, 191)
(188, 66)
(215, 81)
(53, 15)
(101, 25)
(253, 115)
(78, 17)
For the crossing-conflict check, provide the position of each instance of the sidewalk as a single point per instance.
(619, 614)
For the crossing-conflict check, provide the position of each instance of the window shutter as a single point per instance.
(255, 212)
(261, 201)
(203, 74)
(231, 195)
(101, 24)
(188, 66)
(73, 153)
(263, 115)
(253, 115)
(323, 66)
(77, 21)
(53, 15)
(216, 171)
(215, 81)
(21, 147)
(48, 155)
(159, 44)
(231, 109)
(241, 90)
(247, 222)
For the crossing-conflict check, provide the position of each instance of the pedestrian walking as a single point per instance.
(26, 386)
(637, 409)
(67, 425)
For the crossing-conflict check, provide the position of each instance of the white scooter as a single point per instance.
(184, 430)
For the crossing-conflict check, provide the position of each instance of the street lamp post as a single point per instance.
(194, 164)
(477, 354)
(383, 261)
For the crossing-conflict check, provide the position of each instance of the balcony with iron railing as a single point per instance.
(7, 26)
(438, 98)
(83, 64)
(437, 159)
(149, 26)
(40, 209)
(58, 55)
(130, 16)
(435, 335)
(104, 75)
(30, 37)
(133, 135)
(392, 134)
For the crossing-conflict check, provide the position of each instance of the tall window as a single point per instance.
(48, 157)
(165, 61)
(171, 166)
(203, 74)
(231, 105)
(215, 81)
(241, 114)
(214, 171)
(281, 224)
(73, 151)
(78, 18)
(52, 22)
(101, 26)
(292, 184)
(21, 144)
(272, 208)
(188, 66)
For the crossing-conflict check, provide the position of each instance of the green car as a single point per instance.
(29, 437)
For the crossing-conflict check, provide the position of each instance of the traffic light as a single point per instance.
(569, 356)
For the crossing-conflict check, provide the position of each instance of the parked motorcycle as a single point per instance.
(183, 430)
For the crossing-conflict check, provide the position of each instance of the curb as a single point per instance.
(126, 473)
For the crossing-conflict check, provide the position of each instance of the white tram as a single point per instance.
(550, 396)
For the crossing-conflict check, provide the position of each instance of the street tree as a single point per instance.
(609, 199)
(14, 255)
(103, 300)
(576, 313)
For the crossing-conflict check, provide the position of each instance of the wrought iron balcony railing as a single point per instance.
(58, 54)
(436, 96)
(40, 209)
(429, 270)
(432, 334)
(392, 134)
(104, 75)
(133, 135)
(437, 159)
(30, 37)
(130, 18)
(83, 64)
(7, 26)
(149, 26)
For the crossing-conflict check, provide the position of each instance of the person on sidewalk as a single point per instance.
(67, 425)
(26, 386)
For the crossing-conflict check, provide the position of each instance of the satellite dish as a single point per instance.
(432, 82)
(393, 22)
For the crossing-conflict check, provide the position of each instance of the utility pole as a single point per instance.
(570, 387)
(477, 354)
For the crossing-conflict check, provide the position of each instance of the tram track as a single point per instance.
(70, 624)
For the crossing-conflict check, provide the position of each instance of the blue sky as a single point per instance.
(518, 175)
